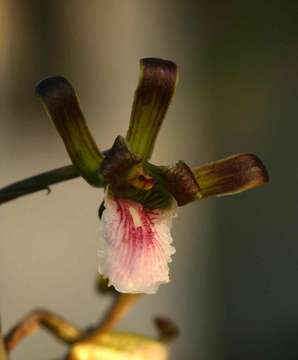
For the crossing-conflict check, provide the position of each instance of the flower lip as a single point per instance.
(136, 245)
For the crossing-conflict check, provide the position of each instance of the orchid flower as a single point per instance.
(140, 198)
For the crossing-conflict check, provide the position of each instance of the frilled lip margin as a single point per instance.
(136, 245)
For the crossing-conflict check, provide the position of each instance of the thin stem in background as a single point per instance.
(121, 306)
(38, 182)
(56, 325)
(64, 330)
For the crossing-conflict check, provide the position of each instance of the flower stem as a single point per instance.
(62, 329)
(37, 183)
(121, 306)
(59, 327)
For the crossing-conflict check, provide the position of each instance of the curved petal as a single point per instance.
(136, 245)
(62, 105)
(228, 176)
(157, 83)
(231, 175)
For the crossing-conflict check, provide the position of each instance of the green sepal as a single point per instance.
(62, 106)
(156, 87)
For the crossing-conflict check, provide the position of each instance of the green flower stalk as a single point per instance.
(141, 198)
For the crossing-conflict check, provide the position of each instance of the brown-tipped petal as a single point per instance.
(152, 98)
(62, 105)
(231, 175)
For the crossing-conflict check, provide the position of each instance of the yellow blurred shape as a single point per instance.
(119, 346)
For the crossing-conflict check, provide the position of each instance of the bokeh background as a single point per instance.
(234, 277)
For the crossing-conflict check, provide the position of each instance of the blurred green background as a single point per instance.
(234, 277)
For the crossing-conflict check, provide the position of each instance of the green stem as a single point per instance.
(37, 183)
(121, 306)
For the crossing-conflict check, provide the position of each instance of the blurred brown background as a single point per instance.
(234, 277)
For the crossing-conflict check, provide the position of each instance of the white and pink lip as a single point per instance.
(135, 245)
